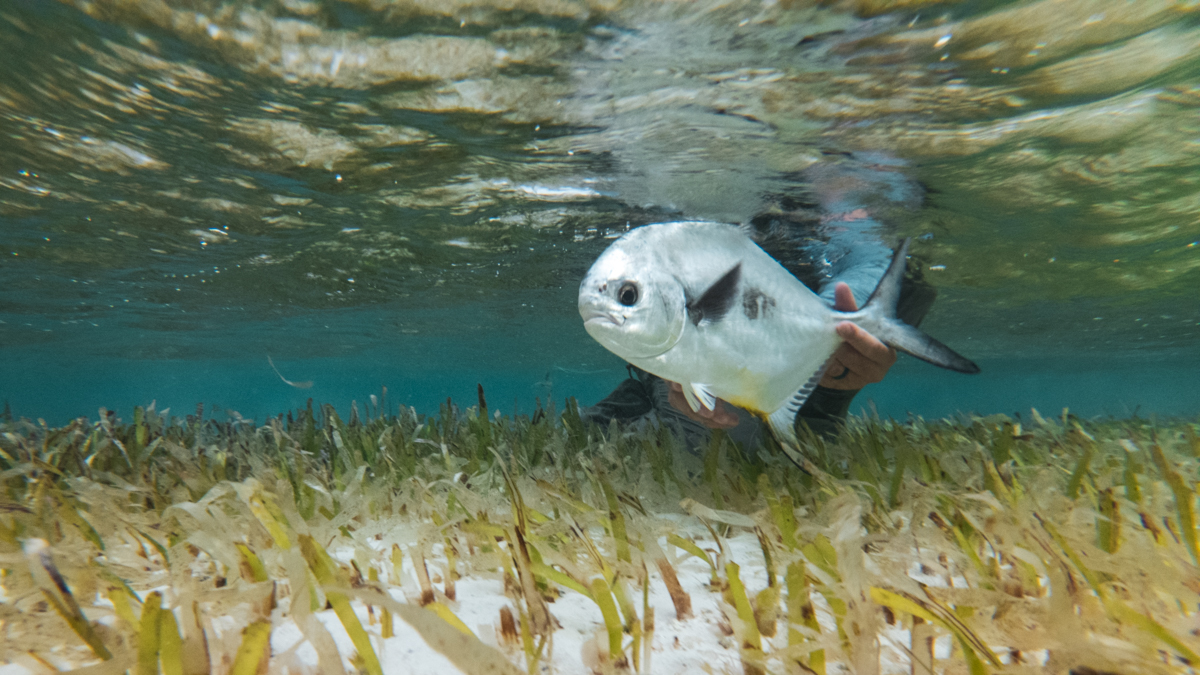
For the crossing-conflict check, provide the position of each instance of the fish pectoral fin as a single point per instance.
(715, 302)
(698, 396)
(706, 397)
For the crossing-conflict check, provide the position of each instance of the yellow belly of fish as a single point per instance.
(749, 387)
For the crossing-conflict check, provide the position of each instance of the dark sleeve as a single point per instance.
(630, 400)
(826, 408)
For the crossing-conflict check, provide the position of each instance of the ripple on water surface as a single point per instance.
(190, 180)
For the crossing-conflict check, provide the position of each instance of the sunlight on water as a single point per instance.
(406, 194)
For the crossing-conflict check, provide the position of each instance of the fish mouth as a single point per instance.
(598, 317)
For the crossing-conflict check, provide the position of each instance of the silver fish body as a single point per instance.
(701, 304)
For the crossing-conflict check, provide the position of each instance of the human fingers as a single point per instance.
(839, 375)
(849, 370)
(843, 298)
(859, 361)
(866, 345)
(865, 371)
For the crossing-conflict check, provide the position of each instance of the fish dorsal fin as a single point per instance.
(783, 420)
(887, 292)
(716, 301)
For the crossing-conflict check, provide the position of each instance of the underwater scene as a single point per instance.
(295, 378)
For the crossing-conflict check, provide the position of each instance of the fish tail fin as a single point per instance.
(912, 341)
(881, 308)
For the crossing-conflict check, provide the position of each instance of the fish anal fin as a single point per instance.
(715, 302)
(783, 426)
(692, 401)
(783, 420)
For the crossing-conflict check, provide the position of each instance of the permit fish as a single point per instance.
(699, 303)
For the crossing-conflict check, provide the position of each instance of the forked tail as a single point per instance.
(878, 317)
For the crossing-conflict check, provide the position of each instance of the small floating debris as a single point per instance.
(210, 236)
(306, 384)
(284, 200)
(557, 193)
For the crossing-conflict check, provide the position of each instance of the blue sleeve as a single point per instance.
(852, 247)
(856, 257)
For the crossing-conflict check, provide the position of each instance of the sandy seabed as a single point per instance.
(480, 544)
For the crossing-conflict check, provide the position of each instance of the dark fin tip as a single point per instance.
(716, 301)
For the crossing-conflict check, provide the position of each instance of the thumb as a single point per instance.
(843, 298)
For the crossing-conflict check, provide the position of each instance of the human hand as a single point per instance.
(720, 417)
(862, 359)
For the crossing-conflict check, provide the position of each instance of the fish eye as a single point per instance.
(628, 294)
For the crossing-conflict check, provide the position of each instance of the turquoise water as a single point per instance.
(406, 194)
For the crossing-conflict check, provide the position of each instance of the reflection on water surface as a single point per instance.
(423, 184)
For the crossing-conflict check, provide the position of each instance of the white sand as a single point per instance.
(699, 643)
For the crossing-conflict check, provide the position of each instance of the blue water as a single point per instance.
(393, 195)
(66, 389)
